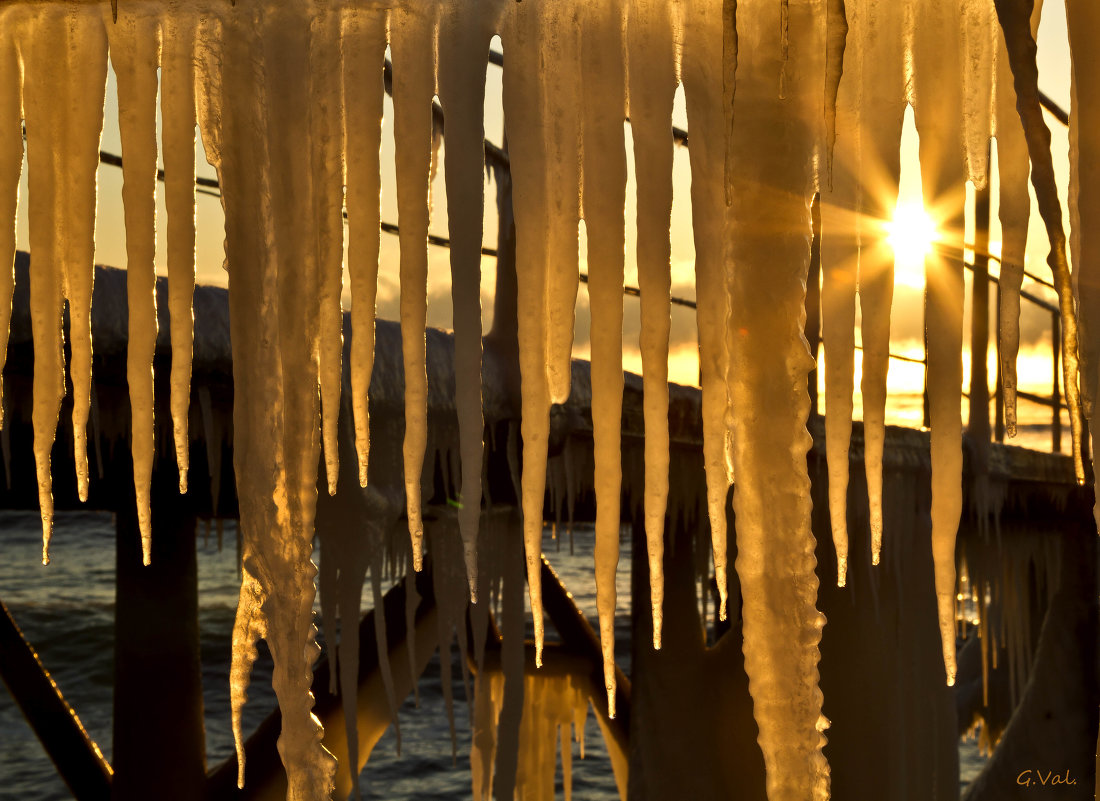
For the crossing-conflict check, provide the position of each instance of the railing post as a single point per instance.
(1055, 392)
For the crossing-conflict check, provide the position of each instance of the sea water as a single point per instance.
(66, 611)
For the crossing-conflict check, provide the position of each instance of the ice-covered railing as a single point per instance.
(783, 98)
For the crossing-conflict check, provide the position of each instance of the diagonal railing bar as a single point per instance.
(78, 759)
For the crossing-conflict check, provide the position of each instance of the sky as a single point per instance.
(1034, 366)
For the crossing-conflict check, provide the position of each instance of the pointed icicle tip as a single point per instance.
(183, 481)
(842, 571)
(114, 10)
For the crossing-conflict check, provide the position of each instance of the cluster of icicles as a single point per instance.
(288, 97)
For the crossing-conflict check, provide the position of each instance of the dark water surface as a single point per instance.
(66, 611)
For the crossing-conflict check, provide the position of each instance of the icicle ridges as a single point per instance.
(775, 141)
(260, 109)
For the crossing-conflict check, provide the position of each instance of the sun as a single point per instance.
(912, 232)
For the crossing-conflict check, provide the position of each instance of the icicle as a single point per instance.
(522, 88)
(978, 41)
(836, 34)
(412, 35)
(11, 165)
(874, 58)
(135, 56)
(1083, 23)
(249, 626)
(259, 108)
(604, 169)
(703, 49)
(560, 98)
(1015, 17)
(566, 745)
(937, 45)
(65, 64)
(381, 643)
(1015, 210)
(364, 53)
(327, 156)
(839, 256)
(463, 48)
(652, 89)
(177, 102)
(774, 144)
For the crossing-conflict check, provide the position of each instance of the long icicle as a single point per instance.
(463, 52)
(260, 106)
(1083, 22)
(769, 238)
(412, 35)
(364, 54)
(81, 136)
(875, 41)
(11, 164)
(702, 49)
(327, 157)
(1015, 17)
(603, 78)
(937, 55)
(1013, 167)
(559, 40)
(653, 87)
(177, 103)
(60, 83)
(522, 87)
(839, 255)
(135, 56)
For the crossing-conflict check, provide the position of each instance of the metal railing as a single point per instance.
(979, 267)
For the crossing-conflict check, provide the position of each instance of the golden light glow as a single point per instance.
(912, 231)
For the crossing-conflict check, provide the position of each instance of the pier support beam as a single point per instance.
(159, 740)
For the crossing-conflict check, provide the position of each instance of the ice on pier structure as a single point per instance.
(784, 100)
